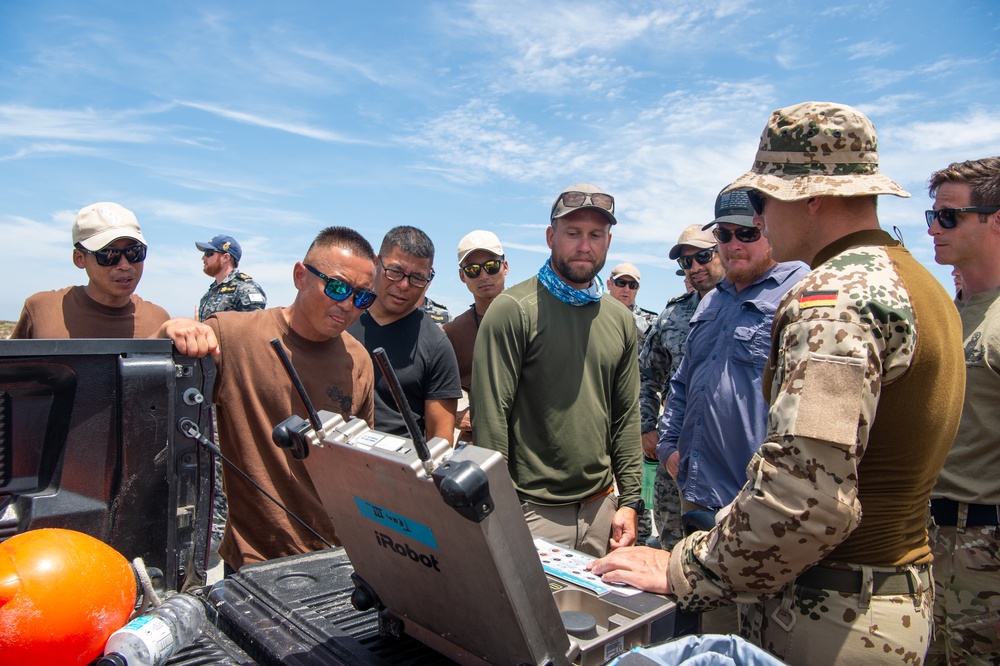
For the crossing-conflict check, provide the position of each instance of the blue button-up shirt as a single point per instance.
(716, 416)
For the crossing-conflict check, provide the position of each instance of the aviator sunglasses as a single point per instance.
(702, 258)
(948, 217)
(339, 290)
(492, 267)
(110, 256)
(743, 234)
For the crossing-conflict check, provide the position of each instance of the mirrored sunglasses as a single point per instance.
(577, 199)
(743, 234)
(621, 283)
(948, 217)
(492, 267)
(110, 256)
(339, 290)
(702, 258)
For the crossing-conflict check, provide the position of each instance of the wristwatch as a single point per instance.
(638, 506)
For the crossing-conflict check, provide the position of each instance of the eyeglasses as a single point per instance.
(757, 201)
(209, 253)
(394, 274)
(577, 199)
(492, 267)
(621, 283)
(702, 258)
(339, 290)
(948, 218)
(743, 234)
(110, 256)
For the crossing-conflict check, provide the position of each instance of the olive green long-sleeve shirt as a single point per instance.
(555, 389)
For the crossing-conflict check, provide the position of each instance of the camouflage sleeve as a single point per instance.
(828, 363)
(654, 376)
(251, 296)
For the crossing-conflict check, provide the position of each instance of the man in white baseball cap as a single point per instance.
(483, 268)
(110, 247)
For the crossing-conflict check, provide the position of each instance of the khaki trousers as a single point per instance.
(583, 526)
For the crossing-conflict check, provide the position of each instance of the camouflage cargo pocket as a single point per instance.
(978, 635)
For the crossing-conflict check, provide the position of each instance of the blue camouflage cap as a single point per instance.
(224, 244)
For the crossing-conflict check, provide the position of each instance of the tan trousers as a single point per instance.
(804, 626)
(583, 526)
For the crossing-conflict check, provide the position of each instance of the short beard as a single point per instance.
(575, 275)
(752, 272)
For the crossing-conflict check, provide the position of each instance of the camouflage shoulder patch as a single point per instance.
(819, 299)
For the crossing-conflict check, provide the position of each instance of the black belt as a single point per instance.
(945, 513)
(851, 582)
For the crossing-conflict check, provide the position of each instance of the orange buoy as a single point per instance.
(62, 594)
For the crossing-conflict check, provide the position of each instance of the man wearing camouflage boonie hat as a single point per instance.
(827, 542)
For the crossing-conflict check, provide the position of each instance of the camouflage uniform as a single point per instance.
(967, 543)
(437, 312)
(661, 354)
(644, 319)
(237, 292)
(845, 347)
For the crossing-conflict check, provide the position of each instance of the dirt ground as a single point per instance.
(5, 328)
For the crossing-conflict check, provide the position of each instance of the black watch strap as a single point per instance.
(638, 506)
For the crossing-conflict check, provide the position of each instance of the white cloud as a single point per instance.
(871, 50)
(86, 125)
(274, 123)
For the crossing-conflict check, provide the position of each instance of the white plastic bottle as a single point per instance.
(150, 639)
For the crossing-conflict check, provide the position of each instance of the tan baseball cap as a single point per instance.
(559, 208)
(479, 240)
(101, 223)
(626, 269)
(817, 149)
(694, 236)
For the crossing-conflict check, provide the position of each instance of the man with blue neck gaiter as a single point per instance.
(555, 386)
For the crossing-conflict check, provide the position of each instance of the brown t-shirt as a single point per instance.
(254, 394)
(71, 313)
(461, 332)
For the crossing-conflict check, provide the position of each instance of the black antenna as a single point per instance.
(382, 360)
(299, 388)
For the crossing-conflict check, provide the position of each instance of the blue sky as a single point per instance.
(269, 121)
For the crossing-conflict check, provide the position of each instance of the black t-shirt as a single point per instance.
(423, 359)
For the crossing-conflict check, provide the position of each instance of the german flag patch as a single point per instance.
(818, 299)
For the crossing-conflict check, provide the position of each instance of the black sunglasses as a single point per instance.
(702, 258)
(948, 217)
(209, 253)
(492, 267)
(621, 283)
(394, 274)
(110, 256)
(757, 201)
(743, 234)
(338, 290)
(577, 199)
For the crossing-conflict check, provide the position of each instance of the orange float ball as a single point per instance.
(62, 593)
